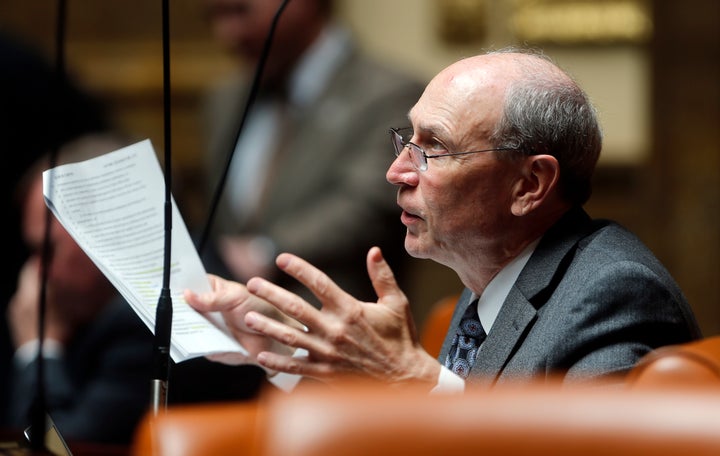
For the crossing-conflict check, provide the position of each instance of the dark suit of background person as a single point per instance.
(30, 127)
(326, 198)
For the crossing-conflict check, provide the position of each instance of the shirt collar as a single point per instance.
(496, 291)
(318, 64)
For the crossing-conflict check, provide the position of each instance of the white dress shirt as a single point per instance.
(254, 149)
(488, 307)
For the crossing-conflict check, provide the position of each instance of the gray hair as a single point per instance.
(546, 112)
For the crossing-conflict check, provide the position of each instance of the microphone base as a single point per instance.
(159, 396)
(52, 443)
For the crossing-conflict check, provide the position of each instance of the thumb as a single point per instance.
(383, 279)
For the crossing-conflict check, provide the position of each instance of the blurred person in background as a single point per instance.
(307, 172)
(96, 350)
(39, 112)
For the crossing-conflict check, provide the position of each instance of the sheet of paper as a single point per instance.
(113, 206)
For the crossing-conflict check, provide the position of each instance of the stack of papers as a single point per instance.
(113, 206)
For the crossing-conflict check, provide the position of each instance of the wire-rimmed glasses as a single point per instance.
(401, 137)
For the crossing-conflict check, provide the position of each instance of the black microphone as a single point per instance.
(163, 316)
(39, 420)
(164, 310)
(254, 88)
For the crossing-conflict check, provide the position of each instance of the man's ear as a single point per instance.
(538, 180)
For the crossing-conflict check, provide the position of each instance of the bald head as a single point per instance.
(465, 98)
(488, 76)
(517, 99)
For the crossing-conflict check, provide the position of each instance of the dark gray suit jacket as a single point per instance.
(591, 301)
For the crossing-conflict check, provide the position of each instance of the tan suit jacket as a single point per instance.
(328, 201)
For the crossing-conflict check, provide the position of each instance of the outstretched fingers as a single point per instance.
(299, 365)
(224, 295)
(346, 336)
(288, 335)
(286, 302)
(328, 292)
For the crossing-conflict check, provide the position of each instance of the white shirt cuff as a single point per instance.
(448, 383)
(27, 352)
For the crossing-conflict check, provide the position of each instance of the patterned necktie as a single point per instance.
(470, 334)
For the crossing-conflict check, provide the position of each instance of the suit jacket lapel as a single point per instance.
(514, 318)
(531, 290)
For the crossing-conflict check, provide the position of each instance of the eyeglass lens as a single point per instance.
(401, 139)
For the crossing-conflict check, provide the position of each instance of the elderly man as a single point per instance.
(491, 176)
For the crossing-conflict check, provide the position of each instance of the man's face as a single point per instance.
(242, 26)
(460, 205)
(73, 279)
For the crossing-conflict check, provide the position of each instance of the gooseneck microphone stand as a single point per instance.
(164, 310)
(163, 313)
(252, 95)
(38, 410)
